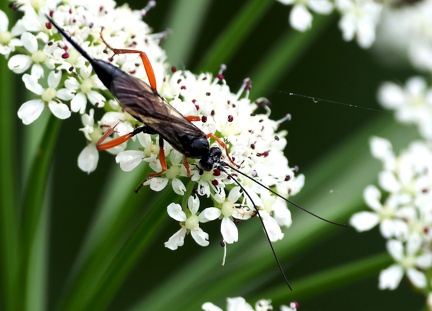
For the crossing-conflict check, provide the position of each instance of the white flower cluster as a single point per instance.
(411, 103)
(402, 204)
(253, 144)
(359, 18)
(70, 86)
(34, 48)
(403, 211)
(240, 304)
(413, 23)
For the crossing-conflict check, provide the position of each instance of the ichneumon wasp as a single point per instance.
(145, 104)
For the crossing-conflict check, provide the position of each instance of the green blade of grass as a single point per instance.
(234, 35)
(33, 220)
(8, 187)
(280, 58)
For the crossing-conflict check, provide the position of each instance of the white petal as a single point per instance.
(78, 103)
(61, 111)
(300, 18)
(96, 98)
(54, 78)
(37, 71)
(286, 2)
(208, 306)
(4, 21)
(321, 6)
(417, 278)
(282, 214)
(175, 211)
(413, 244)
(380, 148)
(391, 96)
(393, 228)
(238, 304)
(364, 221)
(388, 181)
(30, 111)
(390, 277)
(234, 194)
(72, 84)
(395, 248)
(19, 63)
(424, 261)
(178, 186)
(31, 84)
(65, 94)
(229, 230)
(29, 41)
(200, 236)
(274, 231)
(88, 158)
(193, 204)
(176, 240)
(209, 214)
(372, 197)
(129, 159)
(158, 183)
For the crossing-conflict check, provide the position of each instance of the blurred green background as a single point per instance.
(328, 141)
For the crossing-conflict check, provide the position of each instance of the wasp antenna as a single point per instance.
(262, 224)
(287, 200)
(74, 44)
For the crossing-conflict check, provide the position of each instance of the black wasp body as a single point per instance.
(145, 104)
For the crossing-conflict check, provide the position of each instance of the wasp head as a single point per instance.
(207, 162)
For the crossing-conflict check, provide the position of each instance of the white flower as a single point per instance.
(384, 214)
(31, 110)
(414, 24)
(188, 222)
(300, 18)
(240, 304)
(88, 158)
(21, 62)
(233, 304)
(412, 103)
(359, 19)
(409, 259)
(84, 90)
(7, 40)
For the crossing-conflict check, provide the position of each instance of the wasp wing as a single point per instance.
(147, 106)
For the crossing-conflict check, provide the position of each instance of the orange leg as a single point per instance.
(186, 165)
(100, 145)
(163, 163)
(147, 65)
(193, 118)
(223, 145)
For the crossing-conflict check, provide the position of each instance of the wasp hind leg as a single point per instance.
(100, 145)
(144, 58)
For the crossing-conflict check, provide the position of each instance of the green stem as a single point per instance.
(234, 35)
(33, 210)
(8, 187)
(284, 55)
